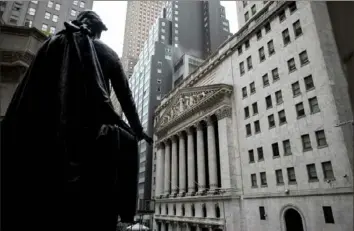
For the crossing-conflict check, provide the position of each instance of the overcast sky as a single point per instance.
(113, 15)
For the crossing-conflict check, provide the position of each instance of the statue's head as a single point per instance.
(93, 22)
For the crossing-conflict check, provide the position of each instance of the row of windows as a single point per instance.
(311, 173)
(204, 210)
(48, 15)
(327, 213)
(271, 50)
(306, 145)
(292, 8)
(45, 28)
(82, 4)
(299, 108)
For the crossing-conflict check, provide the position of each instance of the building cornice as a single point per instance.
(226, 49)
(23, 31)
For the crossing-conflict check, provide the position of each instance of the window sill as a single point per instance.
(249, 68)
(288, 154)
(259, 160)
(313, 180)
(300, 117)
(312, 113)
(269, 107)
(270, 54)
(276, 157)
(266, 85)
(297, 36)
(291, 71)
(310, 89)
(248, 135)
(252, 93)
(306, 150)
(322, 146)
(257, 132)
(278, 103)
(292, 182)
(304, 64)
(276, 80)
(329, 179)
(271, 127)
(261, 60)
(286, 44)
(296, 95)
(254, 186)
(282, 123)
(247, 117)
(281, 19)
(280, 184)
(264, 186)
(255, 114)
(251, 162)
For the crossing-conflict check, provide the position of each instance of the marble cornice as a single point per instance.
(206, 198)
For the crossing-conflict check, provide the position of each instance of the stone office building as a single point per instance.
(249, 141)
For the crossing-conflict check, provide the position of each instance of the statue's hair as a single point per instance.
(92, 20)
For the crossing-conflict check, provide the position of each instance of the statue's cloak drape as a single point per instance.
(65, 153)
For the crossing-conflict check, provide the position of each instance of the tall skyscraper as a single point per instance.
(259, 137)
(141, 15)
(47, 16)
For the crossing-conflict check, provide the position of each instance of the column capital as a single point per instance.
(198, 125)
(180, 134)
(223, 113)
(174, 137)
(159, 144)
(209, 120)
(190, 130)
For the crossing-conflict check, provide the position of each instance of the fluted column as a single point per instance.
(174, 165)
(167, 168)
(212, 161)
(182, 165)
(200, 158)
(160, 167)
(191, 162)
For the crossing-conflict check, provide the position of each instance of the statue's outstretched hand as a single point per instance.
(144, 136)
(147, 138)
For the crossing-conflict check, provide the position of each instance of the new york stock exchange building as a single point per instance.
(250, 141)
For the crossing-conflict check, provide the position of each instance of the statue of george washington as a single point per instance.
(69, 162)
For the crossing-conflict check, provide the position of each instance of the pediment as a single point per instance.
(188, 99)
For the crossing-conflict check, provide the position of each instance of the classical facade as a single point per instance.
(195, 160)
(251, 139)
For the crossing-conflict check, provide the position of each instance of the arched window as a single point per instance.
(183, 211)
(174, 210)
(193, 211)
(204, 211)
(217, 211)
(166, 209)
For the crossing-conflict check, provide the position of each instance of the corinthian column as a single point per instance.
(174, 165)
(167, 169)
(212, 162)
(191, 162)
(182, 165)
(200, 158)
(160, 169)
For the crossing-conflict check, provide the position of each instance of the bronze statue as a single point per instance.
(69, 162)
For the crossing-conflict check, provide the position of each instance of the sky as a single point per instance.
(113, 14)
